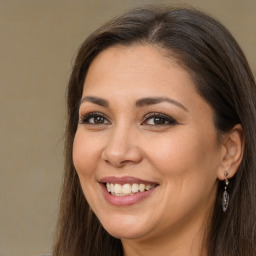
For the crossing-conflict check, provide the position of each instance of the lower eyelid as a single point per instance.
(84, 118)
(169, 120)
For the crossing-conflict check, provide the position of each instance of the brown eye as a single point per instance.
(159, 120)
(98, 120)
(94, 118)
(156, 119)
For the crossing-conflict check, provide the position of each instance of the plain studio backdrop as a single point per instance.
(38, 41)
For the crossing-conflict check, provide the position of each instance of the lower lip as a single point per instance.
(125, 200)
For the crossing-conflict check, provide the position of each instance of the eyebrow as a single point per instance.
(95, 100)
(156, 100)
(139, 103)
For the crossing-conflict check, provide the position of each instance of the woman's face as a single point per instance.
(148, 137)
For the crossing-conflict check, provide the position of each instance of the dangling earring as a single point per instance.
(225, 197)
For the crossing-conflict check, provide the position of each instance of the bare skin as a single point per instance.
(141, 117)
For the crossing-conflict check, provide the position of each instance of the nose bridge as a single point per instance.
(122, 147)
(118, 140)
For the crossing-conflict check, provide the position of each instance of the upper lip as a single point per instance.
(125, 180)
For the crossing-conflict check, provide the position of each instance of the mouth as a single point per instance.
(126, 190)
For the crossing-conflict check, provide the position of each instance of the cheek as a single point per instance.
(85, 159)
(188, 167)
(185, 153)
(85, 154)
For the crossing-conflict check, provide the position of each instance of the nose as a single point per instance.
(121, 148)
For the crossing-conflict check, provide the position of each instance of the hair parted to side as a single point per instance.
(222, 76)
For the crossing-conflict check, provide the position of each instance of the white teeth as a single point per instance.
(118, 189)
(142, 187)
(112, 188)
(127, 189)
(135, 188)
(148, 187)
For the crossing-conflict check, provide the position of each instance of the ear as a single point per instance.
(232, 149)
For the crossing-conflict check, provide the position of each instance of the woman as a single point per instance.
(160, 148)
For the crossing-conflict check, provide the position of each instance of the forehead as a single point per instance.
(145, 67)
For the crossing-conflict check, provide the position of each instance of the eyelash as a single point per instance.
(164, 120)
(85, 118)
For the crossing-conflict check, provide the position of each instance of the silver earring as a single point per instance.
(225, 197)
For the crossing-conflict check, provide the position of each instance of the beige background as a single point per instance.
(38, 40)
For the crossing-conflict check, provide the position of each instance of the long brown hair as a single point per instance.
(221, 75)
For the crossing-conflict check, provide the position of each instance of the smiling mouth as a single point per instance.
(128, 189)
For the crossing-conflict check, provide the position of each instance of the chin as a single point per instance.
(127, 228)
(125, 234)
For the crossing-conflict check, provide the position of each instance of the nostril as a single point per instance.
(119, 158)
(117, 163)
